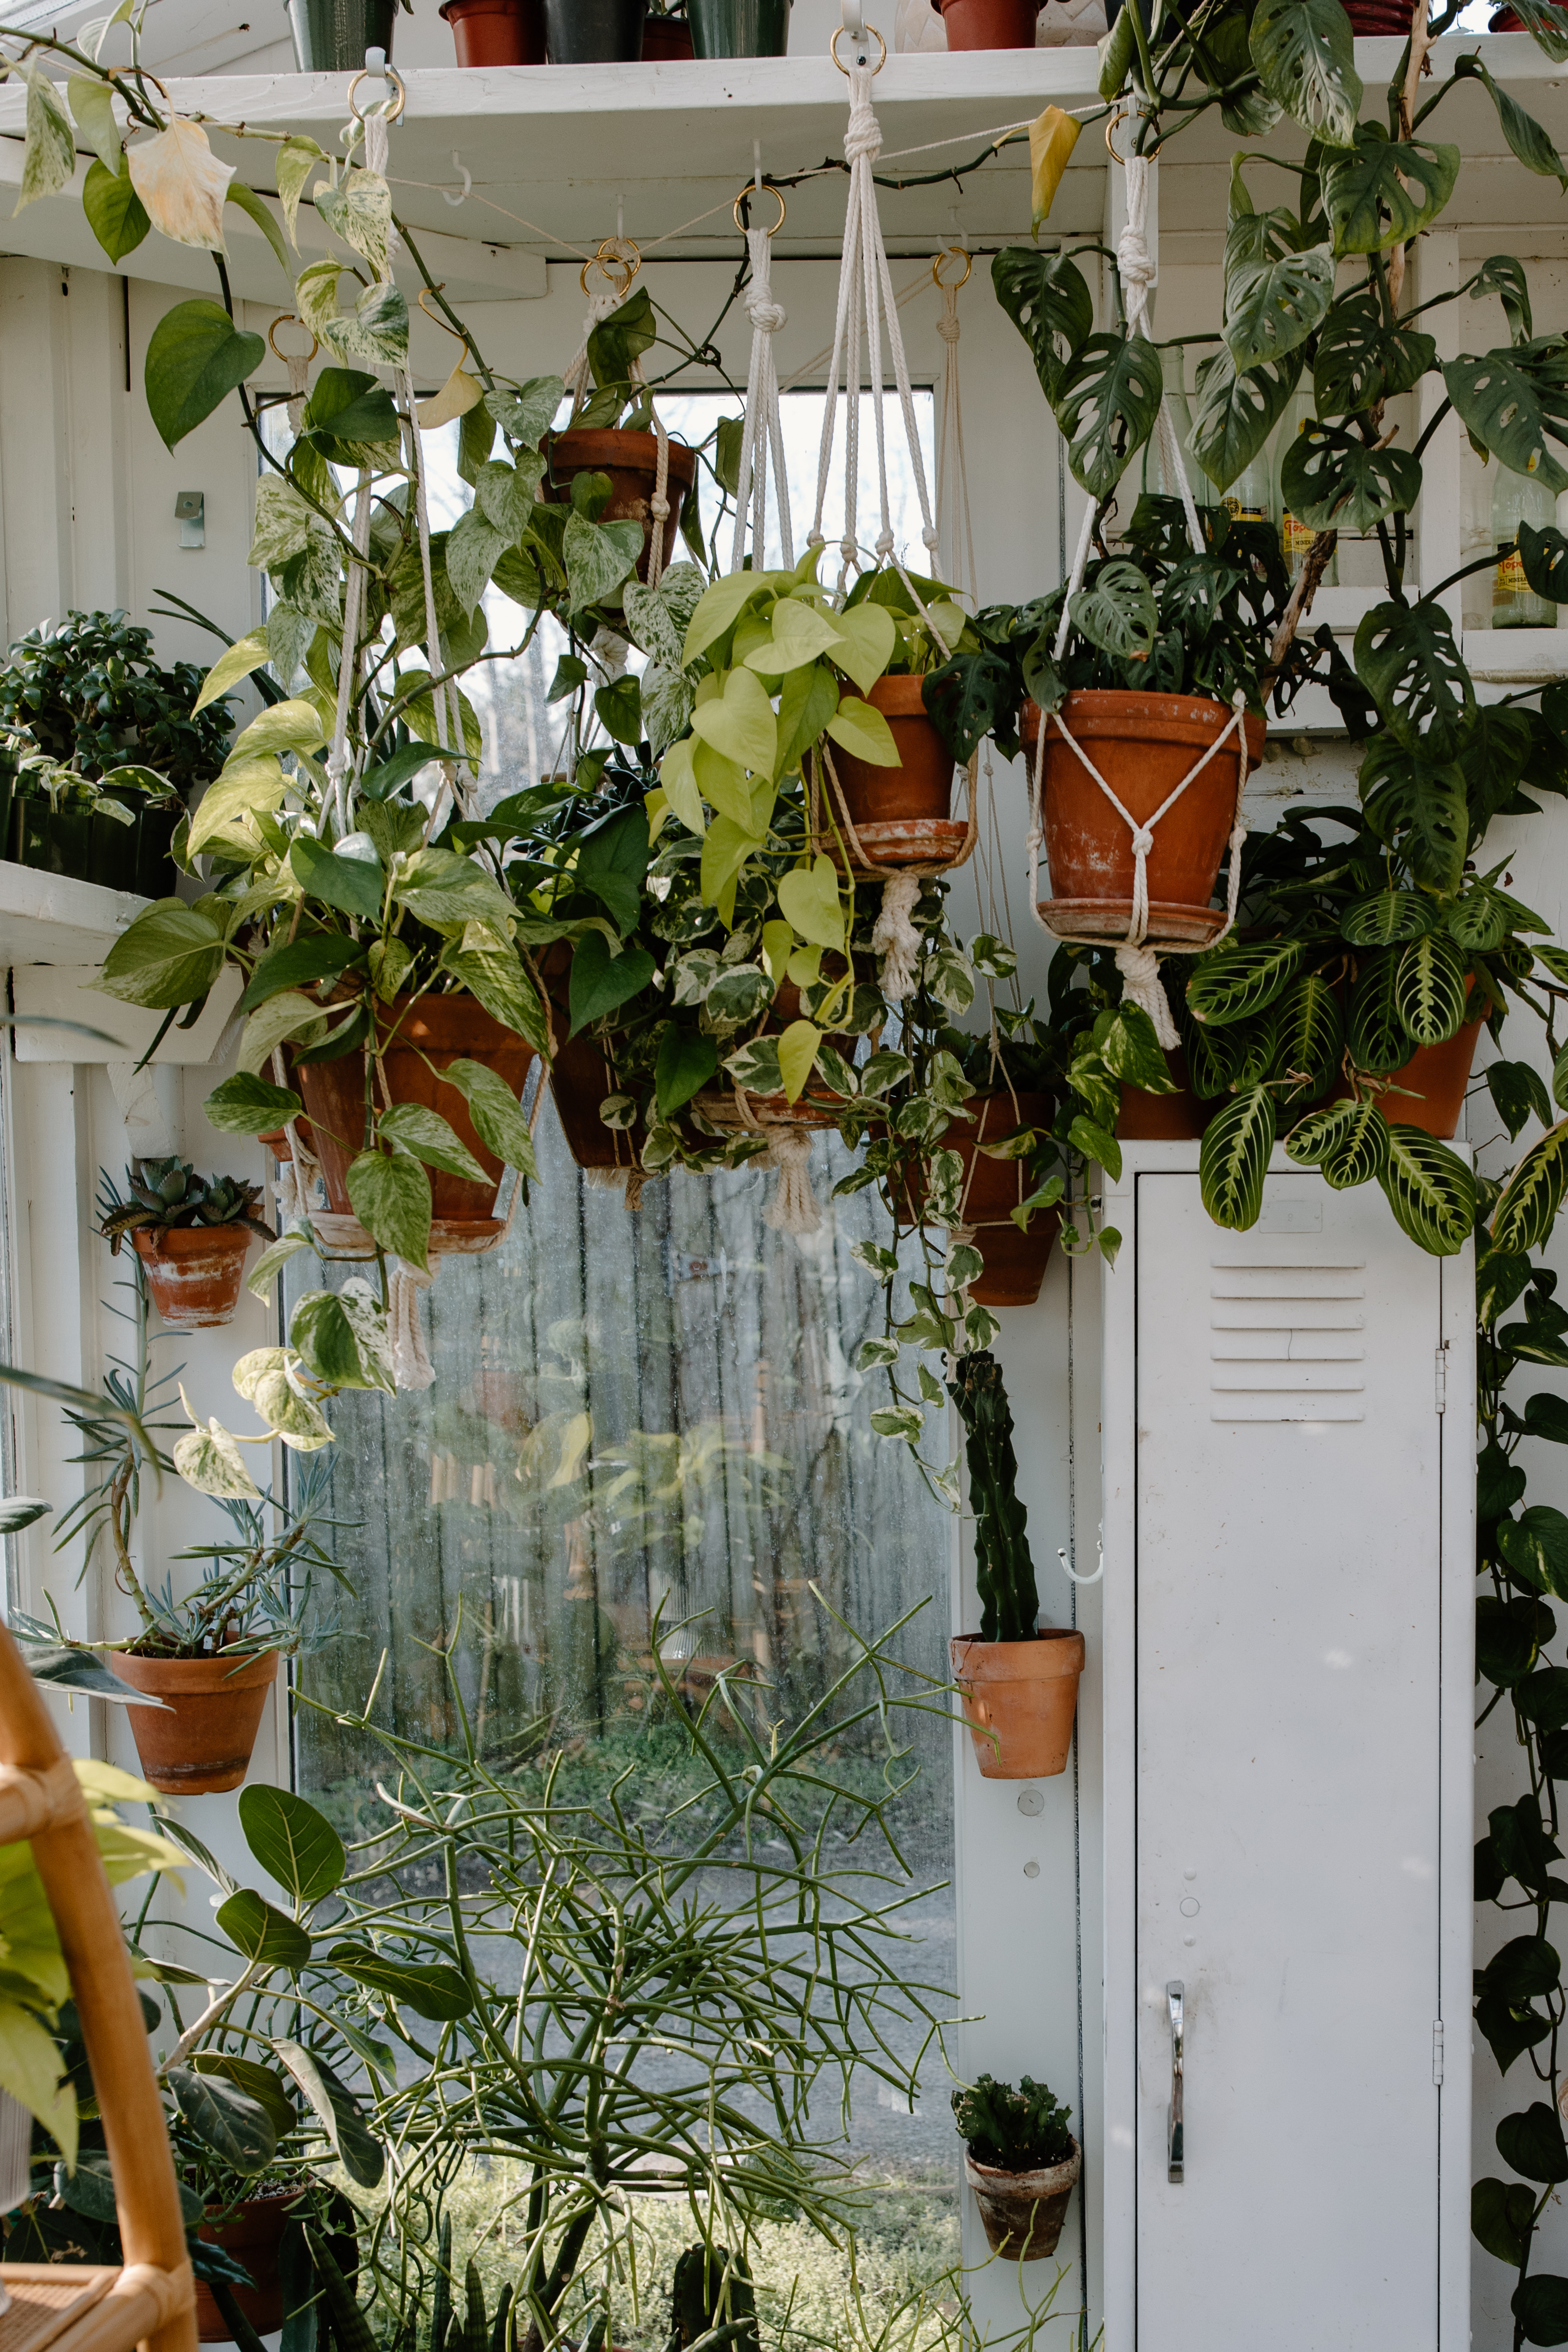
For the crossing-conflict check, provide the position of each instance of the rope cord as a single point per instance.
(763, 434)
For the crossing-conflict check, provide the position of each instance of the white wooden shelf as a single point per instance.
(55, 918)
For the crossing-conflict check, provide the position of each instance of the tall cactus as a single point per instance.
(1009, 1597)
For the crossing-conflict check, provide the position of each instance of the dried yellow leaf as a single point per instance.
(459, 393)
(1051, 141)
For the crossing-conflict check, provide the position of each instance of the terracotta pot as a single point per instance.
(444, 1029)
(252, 2237)
(193, 1272)
(201, 1740)
(580, 1078)
(497, 31)
(1016, 1261)
(1143, 745)
(667, 41)
(817, 1105)
(631, 461)
(1181, 1117)
(990, 24)
(1433, 1082)
(1019, 1699)
(1388, 19)
(1023, 2213)
(922, 785)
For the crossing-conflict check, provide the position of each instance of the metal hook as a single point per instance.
(288, 319)
(860, 36)
(1069, 1570)
(953, 253)
(458, 165)
(610, 262)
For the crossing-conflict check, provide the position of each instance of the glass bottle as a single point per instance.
(1516, 499)
(1250, 498)
(1158, 482)
(1296, 537)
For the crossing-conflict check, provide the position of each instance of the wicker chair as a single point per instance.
(150, 2302)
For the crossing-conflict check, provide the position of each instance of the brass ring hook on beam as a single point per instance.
(752, 189)
(952, 253)
(833, 49)
(288, 318)
(388, 73)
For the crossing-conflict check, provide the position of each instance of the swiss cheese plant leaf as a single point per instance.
(1430, 1191)
(1117, 611)
(1273, 301)
(1383, 192)
(1429, 989)
(293, 1842)
(1046, 297)
(1501, 275)
(1304, 51)
(1530, 143)
(1362, 361)
(1512, 401)
(1233, 1158)
(1235, 982)
(1544, 555)
(1332, 481)
(1385, 916)
(1407, 657)
(1235, 413)
(1421, 807)
(1533, 1193)
(1109, 400)
(1542, 19)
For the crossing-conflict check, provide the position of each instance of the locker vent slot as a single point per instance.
(1287, 1340)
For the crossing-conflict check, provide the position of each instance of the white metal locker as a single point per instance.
(1288, 1451)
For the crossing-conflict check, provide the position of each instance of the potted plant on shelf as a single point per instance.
(1020, 2160)
(666, 36)
(606, 462)
(738, 28)
(191, 1233)
(1018, 1679)
(497, 31)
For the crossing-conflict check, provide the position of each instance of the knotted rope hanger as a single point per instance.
(1137, 957)
(615, 255)
(762, 437)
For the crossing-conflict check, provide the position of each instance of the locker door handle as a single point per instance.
(1175, 2156)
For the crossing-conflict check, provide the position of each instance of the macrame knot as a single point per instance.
(337, 765)
(1140, 969)
(411, 1365)
(947, 327)
(658, 508)
(794, 1207)
(884, 542)
(1136, 264)
(765, 312)
(864, 134)
(1142, 841)
(930, 536)
(895, 939)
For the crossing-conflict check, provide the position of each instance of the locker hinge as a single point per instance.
(1440, 1397)
(1437, 2050)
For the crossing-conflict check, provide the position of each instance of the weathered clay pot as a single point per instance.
(990, 24)
(420, 1036)
(922, 785)
(201, 1739)
(631, 461)
(1181, 1117)
(193, 1272)
(1019, 1699)
(497, 31)
(1143, 745)
(1023, 2213)
(252, 2236)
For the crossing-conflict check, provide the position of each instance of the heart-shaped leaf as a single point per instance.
(196, 358)
(797, 1055)
(687, 1061)
(738, 723)
(428, 1136)
(808, 897)
(600, 981)
(390, 1194)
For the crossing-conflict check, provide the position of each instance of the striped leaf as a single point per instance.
(1310, 1030)
(1239, 981)
(1386, 917)
(1374, 1032)
(1533, 1193)
(1234, 1159)
(1480, 923)
(1259, 1043)
(1430, 1191)
(1361, 1152)
(1429, 989)
(1213, 1055)
(1313, 1139)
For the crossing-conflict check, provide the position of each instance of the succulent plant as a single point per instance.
(1003, 1568)
(710, 2290)
(169, 1193)
(1020, 2130)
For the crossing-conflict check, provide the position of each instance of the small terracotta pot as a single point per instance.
(667, 41)
(201, 1739)
(193, 1272)
(631, 461)
(1016, 1261)
(497, 31)
(817, 1105)
(1181, 1117)
(923, 786)
(417, 1032)
(580, 1078)
(1143, 745)
(990, 24)
(1023, 2213)
(253, 2237)
(1023, 1693)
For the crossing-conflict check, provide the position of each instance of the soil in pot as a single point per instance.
(1019, 1699)
(739, 28)
(497, 31)
(990, 24)
(417, 1032)
(1181, 1117)
(252, 2235)
(332, 35)
(1143, 745)
(1023, 2213)
(631, 461)
(193, 1272)
(200, 1740)
(1016, 1261)
(667, 41)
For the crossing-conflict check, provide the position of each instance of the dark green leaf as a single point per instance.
(1368, 189)
(619, 706)
(1362, 361)
(1546, 1416)
(435, 1992)
(1304, 51)
(1532, 2143)
(1541, 2303)
(1535, 1548)
(1360, 1154)
(1233, 1158)
(1422, 808)
(196, 358)
(1407, 657)
(1511, 400)
(354, 885)
(1430, 1191)
(1533, 1193)
(380, 783)
(1116, 612)
(1544, 555)
(1503, 276)
(1234, 415)
(390, 1194)
(612, 862)
(1332, 481)
(293, 1842)
(262, 1932)
(1234, 983)
(1509, 2030)
(1109, 400)
(1047, 299)
(237, 2127)
(1429, 990)
(1386, 916)
(260, 2082)
(1518, 1094)
(686, 1062)
(1273, 299)
(600, 981)
(1500, 2215)
(362, 2157)
(115, 213)
(1523, 134)
(299, 963)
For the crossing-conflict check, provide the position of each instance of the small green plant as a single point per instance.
(1005, 1571)
(165, 1193)
(92, 694)
(1020, 2130)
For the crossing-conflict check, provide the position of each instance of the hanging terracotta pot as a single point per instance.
(497, 31)
(990, 24)
(817, 1105)
(580, 1078)
(1023, 2213)
(417, 1032)
(193, 1272)
(667, 41)
(200, 1740)
(902, 815)
(1181, 1117)
(631, 461)
(1143, 745)
(1016, 1261)
(253, 2235)
(1019, 1699)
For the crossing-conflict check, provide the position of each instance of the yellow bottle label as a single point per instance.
(1509, 579)
(1295, 538)
(1239, 513)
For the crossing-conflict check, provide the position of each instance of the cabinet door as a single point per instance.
(1287, 1686)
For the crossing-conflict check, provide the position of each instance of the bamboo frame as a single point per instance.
(152, 2302)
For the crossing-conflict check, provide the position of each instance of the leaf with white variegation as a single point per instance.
(182, 184)
(48, 155)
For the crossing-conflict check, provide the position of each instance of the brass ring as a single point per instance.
(833, 49)
(953, 253)
(610, 258)
(1112, 148)
(752, 189)
(287, 319)
(388, 73)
